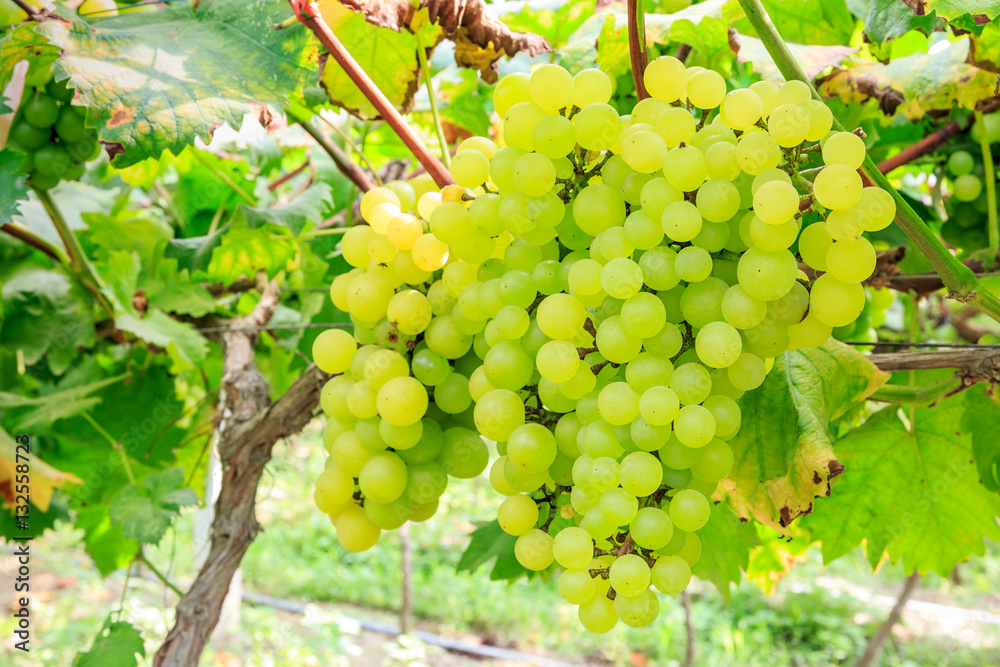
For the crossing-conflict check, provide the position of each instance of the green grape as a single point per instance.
(671, 575)
(643, 231)
(643, 315)
(960, 163)
(334, 489)
(638, 611)
(846, 224)
(718, 200)
(40, 110)
(533, 550)
(715, 463)
(629, 575)
(333, 350)
(838, 187)
(388, 516)
(618, 506)
(768, 92)
(618, 404)
(768, 176)
(722, 162)
(685, 168)
(28, 136)
(820, 119)
(851, 261)
(498, 413)
(507, 366)
(747, 372)
(573, 548)
(647, 111)
(814, 243)
(402, 401)
(693, 264)
(678, 456)
(689, 510)
(967, 187)
(790, 308)
(383, 477)
(834, 302)
(452, 395)
(878, 208)
(659, 406)
(718, 344)
(534, 174)
(775, 202)
(682, 221)
(773, 238)
(644, 151)
(557, 361)
(599, 207)
(355, 532)
(52, 160)
(598, 614)
(756, 152)
(742, 310)
(470, 169)
(576, 586)
(591, 86)
(844, 148)
(640, 474)
(694, 427)
(767, 275)
(652, 528)
(517, 515)
(691, 382)
(666, 79)
(742, 108)
(788, 125)
(701, 302)
(361, 400)
(615, 342)
(554, 137)
(510, 90)
(621, 278)
(706, 89)
(519, 125)
(597, 127)
(657, 267)
(794, 92)
(401, 437)
(551, 87)
(425, 482)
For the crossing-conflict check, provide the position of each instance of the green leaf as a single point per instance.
(726, 543)
(172, 291)
(813, 58)
(23, 42)
(888, 19)
(555, 25)
(186, 347)
(914, 494)
(244, 252)
(153, 81)
(984, 50)
(146, 512)
(309, 206)
(116, 645)
(121, 273)
(12, 187)
(387, 56)
(914, 84)
(74, 200)
(45, 314)
(489, 541)
(104, 541)
(808, 21)
(194, 254)
(47, 409)
(126, 231)
(979, 420)
(776, 556)
(784, 456)
(981, 11)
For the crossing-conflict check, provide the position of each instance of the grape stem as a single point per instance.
(438, 129)
(637, 46)
(346, 167)
(310, 16)
(991, 190)
(923, 394)
(27, 237)
(961, 283)
(78, 261)
(626, 546)
(30, 10)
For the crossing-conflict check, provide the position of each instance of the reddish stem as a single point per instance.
(289, 176)
(637, 47)
(31, 239)
(310, 16)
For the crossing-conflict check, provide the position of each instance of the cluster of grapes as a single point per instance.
(614, 283)
(967, 207)
(52, 134)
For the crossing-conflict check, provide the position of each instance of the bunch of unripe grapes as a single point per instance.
(599, 290)
(52, 133)
(968, 206)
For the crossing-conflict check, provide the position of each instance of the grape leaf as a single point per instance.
(808, 21)
(784, 457)
(120, 273)
(244, 252)
(984, 49)
(489, 541)
(172, 291)
(888, 19)
(44, 477)
(914, 494)
(153, 81)
(914, 84)
(116, 645)
(74, 200)
(726, 543)
(12, 187)
(776, 555)
(979, 420)
(104, 541)
(556, 25)
(813, 58)
(307, 207)
(47, 409)
(186, 347)
(45, 314)
(195, 253)
(125, 230)
(981, 11)
(22, 42)
(145, 512)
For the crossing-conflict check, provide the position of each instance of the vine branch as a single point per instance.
(637, 46)
(309, 15)
(958, 278)
(23, 235)
(346, 167)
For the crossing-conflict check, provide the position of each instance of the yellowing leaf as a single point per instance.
(43, 478)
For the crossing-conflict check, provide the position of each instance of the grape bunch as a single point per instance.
(51, 132)
(967, 206)
(601, 289)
